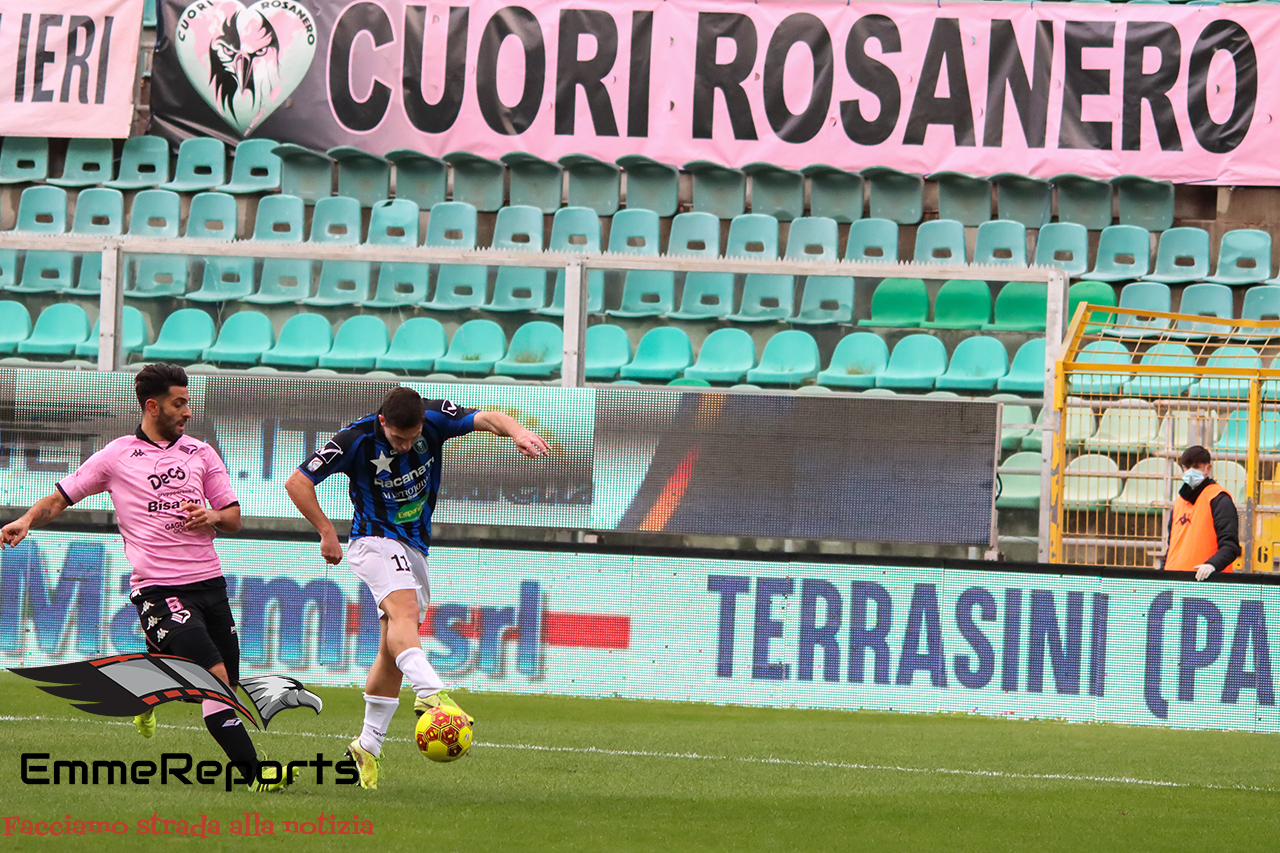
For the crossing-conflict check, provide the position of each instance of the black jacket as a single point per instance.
(1226, 524)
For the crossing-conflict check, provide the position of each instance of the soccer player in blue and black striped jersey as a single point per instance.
(392, 459)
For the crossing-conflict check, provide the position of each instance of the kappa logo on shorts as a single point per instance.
(153, 621)
(162, 633)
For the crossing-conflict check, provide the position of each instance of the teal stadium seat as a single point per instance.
(705, 294)
(24, 159)
(650, 185)
(183, 337)
(776, 191)
(872, 240)
(1022, 198)
(718, 190)
(1182, 257)
(283, 280)
(576, 229)
(43, 210)
(255, 168)
(595, 184)
(302, 340)
(1143, 295)
(977, 364)
(1244, 257)
(477, 180)
(1124, 254)
(961, 304)
(1026, 373)
(133, 336)
(1064, 245)
(155, 214)
(1001, 241)
(1127, 426)
(726, 356)
(518, 288)
(1163, 355)
(305, 173)
(964, 198)
(917, 361)
(213, 217)
(144, 164)
(57, 330)
(1235, 436)
(1013, 414)
(476, 347)
(608, 349)
(1261, 303)
(1145, 203)
(242, 340)
(415, 346)
(894, 195)
(645, 293)
(336, 220)
(834, 192)
(533, 181)
(1083, 201)
(453, 225)
(898, 303)
(420, 178)
(359, 342)
(1227, 387)
(856, 362)
(1141, 493)
(99, 213)
(341, 283)
(1019, 482)
(536, 351)
(202, 165)
(789, 358)
(363, 176)
(1020, 306)
(826, 300)
(1204, 300)
(662, 355)
(1101, 352)
(394, 222)
(768, 297)
(1091, 483)
(940, 241)
(88, 163)
(15, 325)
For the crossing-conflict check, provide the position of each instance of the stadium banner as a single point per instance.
(807, 634)
(632, 460)
(71, 65)
(1181, 93)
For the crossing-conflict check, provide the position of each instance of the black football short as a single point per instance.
(191, 621)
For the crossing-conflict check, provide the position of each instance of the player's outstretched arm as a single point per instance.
(527, 441)
(45, 511)
(303, 494)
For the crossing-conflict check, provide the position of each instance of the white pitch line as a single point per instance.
(789, 762)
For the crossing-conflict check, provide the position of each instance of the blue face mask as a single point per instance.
(1193, 477)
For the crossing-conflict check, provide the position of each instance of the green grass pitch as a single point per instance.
(551, 773)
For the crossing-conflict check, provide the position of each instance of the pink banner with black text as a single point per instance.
(1186, 93)
(67, 68)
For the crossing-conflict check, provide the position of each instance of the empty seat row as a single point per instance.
(1169, 356)
(1261, 303)
(1095, 482)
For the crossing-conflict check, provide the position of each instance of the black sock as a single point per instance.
(229, 732)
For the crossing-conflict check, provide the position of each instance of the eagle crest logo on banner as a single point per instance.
(245, 61)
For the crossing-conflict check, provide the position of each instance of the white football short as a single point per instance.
(386, 565)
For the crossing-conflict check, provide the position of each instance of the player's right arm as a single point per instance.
(45, 511)
(335, 456)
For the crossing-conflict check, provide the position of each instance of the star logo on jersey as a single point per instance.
(382, 463)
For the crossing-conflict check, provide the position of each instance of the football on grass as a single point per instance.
(443, 733)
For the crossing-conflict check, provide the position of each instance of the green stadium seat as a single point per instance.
(595, 184)
(255, 168)
(518, 288)
(1261, 303)
(1143, 492)
(302, 340)
(305, 173)
(183, 337)
(896, 196)
(1204, 300)
(1145, 203)
(453, 224)
(416, 345)
(362, 176)
(856, 362)
(1093, 293)
(576, 229)
(536, 351)
(776, 191)
(1124, 254)
(608, 349)
(940, 241)
(1163, 355)
(650, 185)
(1101, 352)
(1182, 256)
(1143, 295)
(872, 240)
(24, 159)
(898, 303)
(1227, 387)
(144, 164)
(916, 362)
(826, 299)
(1020, 306)
(1091, 483)
(961, 304)
(834, 192)
(1064, 245)
(1001, 241)
(718, 190)
(359, 342)
(662, 355)
(1015, 417)
(420, 178)
(133, 336)
(1128, 426)
(1024, 199)
(242, 340)
(1244, 257)
(789, 358)
(394, 222)
(279, 219)
(202, 165)
(477, 180)
(1026, 373)
(1084, 201)
(88, 163)
(336, 220)
(533, 181)
(645, 293)
(341, 283)
(476, 347)
(15, 325)
(1019, 481)
(726, 356)
(964, 198)
(976, 365)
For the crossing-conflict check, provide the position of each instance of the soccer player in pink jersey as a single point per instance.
(171, 494)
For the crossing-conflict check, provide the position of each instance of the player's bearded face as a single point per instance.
(173, 414)
(401, 440)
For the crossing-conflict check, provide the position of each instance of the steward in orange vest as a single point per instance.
(1204, 530)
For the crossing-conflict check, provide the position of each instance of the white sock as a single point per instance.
(378, 711)
(421, 674)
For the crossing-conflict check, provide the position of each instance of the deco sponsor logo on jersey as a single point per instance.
(169, 476)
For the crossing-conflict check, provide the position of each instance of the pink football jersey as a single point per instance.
(148, 485)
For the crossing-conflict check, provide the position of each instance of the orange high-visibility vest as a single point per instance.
(1193, 539)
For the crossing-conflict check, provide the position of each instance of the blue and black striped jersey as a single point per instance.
(392, 494)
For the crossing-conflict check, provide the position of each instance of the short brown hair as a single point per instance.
(402, 408)
(154, 381)
(1194, 455)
